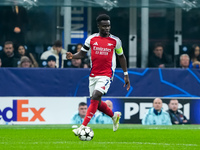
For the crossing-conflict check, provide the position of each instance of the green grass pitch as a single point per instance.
(128, 137)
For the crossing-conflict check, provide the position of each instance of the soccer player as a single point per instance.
(103, 47)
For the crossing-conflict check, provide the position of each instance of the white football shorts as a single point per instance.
(100, 83)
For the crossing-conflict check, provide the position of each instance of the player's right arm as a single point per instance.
(83, 51)
(78, 55)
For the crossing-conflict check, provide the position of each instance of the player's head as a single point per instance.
(57, 46)
(173, 104)
(109, 104)
(82, 109)
(103, 23)
(157, 104)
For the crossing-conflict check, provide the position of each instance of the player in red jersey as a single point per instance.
(103, 47)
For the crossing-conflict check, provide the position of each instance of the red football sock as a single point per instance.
(91, 111)
(105, 109)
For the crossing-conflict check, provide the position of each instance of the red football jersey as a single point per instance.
(103, 58)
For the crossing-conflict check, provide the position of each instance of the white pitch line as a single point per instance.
(148, 143)
(65, 142)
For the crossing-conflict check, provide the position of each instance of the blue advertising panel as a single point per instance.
(74, 82)
(134, 109)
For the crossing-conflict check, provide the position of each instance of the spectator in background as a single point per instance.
(51, 62)
(21, 51)
(0, 63)
(78, 47)
(16, 20)
(78, 117)
(195, 57)
(176, 116)
(25, 62)
(159, 59)
(77, 63)
(184, 61)
(7, 56)
(156, 115)
(102, 118)
(56, 51)
(85, 61)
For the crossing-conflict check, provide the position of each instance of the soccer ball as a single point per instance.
(86, 134)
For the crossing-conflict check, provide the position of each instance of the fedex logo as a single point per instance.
(18, 109)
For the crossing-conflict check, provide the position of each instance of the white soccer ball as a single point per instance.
(86, 134)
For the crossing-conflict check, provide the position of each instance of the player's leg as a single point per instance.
(95, 98)
(94, 102)
(103, 85)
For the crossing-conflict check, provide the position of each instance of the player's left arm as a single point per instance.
(122, 60)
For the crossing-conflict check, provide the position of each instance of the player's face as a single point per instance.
(0, 62)
(104, 27)
(173, 105)
(8, 49)
(82, 110)
(157, 104)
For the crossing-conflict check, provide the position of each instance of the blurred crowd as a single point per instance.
(16, 24)
(188, 58)
(55, 57)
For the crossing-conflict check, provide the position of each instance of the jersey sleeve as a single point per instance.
(118, 47)
(86, 46)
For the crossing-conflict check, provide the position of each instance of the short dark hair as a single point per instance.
(172, 100)
(82, 104)
(58, 43)
(8, 42)
(158, 45)
(102, 17)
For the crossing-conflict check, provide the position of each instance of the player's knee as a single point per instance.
(96, 95)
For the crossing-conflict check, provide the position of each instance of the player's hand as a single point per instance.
(127, 82)
(69, 55)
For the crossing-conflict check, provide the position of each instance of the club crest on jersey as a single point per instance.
(110, 44)
(95, 43)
